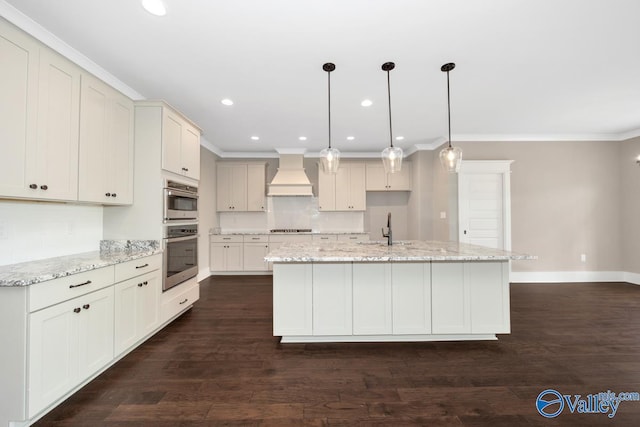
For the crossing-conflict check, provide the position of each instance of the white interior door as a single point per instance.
(484, 204)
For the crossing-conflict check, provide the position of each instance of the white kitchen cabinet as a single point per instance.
(451, 312)
(378, 180)
(332, 299)
(180, 145)
(226, 253)
(241, 187)
(344, 191)
(293, 299)
(106, 144)
(324, 237)
(40, 107)
(411, 297)
(178, 299)
(489, 294)
(372, 299)
(255, 248)
(68, 342)
(360, 237)
(137, 309)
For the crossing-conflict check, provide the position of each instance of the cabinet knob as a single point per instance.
(107, 194)
(86, 306)
(76, 310)
(33, 186)
(145, 283)
(113, 195)
(139, 285)
(44, 187)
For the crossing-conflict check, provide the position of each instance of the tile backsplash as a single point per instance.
(292, 212)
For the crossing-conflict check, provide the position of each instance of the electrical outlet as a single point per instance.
(583, 257)
(443, 215)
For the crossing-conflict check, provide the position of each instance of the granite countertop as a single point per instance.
(378, 251)
(241, 233)
(111, 252)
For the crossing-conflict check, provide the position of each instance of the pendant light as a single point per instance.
(329, 157)
(391, 156)
(450, 157)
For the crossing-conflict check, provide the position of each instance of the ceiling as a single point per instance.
(525, 69)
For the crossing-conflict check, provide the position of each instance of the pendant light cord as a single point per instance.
(389, 97)
(449, 108)
(329, 98)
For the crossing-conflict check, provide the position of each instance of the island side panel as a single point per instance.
(332, 299)
(372, 298)
(489, 289)
(292, 299)
(451, 313)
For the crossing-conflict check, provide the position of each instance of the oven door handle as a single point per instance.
(173, 192)
(181, 239)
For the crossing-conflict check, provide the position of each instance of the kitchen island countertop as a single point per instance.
(379, 251)
(111, 252)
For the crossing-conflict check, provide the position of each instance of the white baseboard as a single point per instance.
(573, 276)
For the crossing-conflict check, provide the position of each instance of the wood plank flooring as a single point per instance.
(219, 365)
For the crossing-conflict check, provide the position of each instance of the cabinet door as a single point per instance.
(372, 298)
(216, 257)
(223, 187)
(400, 181)
(411, 298)
(326, 191)
(254, 254)
(149, 303)
(93, 162)
(489, 289)
(53, 353)
(332, 299)
(55, 167)
(190, 152)
(256, 187)
(376, 179)
(342, 189)
(95, 332)
(126, 296)
(450, 299)
(18, 104)
(120, 150)
(357, 191)
(234, 258)
(292, 299)
(171, 142)
(239, 188)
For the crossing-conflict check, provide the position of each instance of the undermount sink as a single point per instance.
(384, 243)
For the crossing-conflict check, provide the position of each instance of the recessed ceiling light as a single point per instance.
(399, 138)
(227, 101)
(351, 138)
(303, 138)
(366, 103)
(255, 138)
(154, 7)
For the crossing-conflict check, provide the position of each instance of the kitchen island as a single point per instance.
(410, 291)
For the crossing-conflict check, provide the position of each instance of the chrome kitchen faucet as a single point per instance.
(389, 234)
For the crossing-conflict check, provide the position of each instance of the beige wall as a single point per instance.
(565, 201)
(630, 205)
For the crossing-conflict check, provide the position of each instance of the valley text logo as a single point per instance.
(550, 403)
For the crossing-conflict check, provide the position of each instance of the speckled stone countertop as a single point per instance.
(233, 233)
(111, 252)
(378, 251)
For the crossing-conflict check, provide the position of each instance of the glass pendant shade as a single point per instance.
(392, 159)
(330, 160)
(451, 158)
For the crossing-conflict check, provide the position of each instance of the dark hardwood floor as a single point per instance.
(219, 365)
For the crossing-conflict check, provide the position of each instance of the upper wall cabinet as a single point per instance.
(344, 191)
(180, 145)
(39, 110)
(379, 180)
(106, 144)
(241, 187)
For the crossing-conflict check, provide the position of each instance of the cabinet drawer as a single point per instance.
(288, 238)
(324, 237)
(256, 238)
(353, 237)
(55, 291)
(219, 238)
(134, 268)
(176, 302)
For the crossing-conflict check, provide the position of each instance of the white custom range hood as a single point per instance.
(290, 180)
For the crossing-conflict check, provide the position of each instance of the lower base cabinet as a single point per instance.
(68, 342)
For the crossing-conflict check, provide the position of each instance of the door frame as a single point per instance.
(500, 167)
